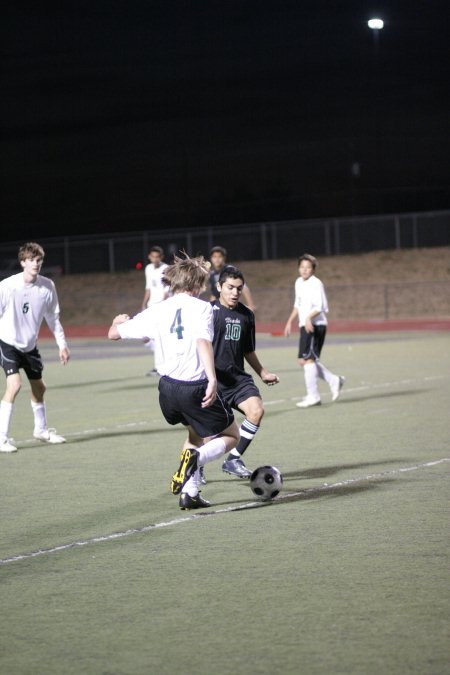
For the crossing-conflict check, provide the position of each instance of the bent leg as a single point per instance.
(215, 447)
(253, 410)
(212, 449)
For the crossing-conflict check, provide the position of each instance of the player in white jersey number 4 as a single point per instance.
(26, 299)
(182, 328)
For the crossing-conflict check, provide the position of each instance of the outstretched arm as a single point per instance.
(206, 354)
(113, 333)
(254, 362)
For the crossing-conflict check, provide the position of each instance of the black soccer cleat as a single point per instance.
(236, 467)
(202, 476)
(188, 466)
(187, 502)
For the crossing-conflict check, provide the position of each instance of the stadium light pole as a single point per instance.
(376, 25)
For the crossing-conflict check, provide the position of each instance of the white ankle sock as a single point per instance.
(192, 485)
(6, 410)
(40, 418)
(311, 374)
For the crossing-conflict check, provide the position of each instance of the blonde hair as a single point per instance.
(187, 274)
(30, 250)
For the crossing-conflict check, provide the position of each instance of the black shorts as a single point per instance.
(12, 359)
(243, 389)
(311, 344)
(181, 403)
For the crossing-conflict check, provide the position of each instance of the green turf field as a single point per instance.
(348, 572)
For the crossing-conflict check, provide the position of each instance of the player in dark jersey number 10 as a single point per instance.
(234, 343)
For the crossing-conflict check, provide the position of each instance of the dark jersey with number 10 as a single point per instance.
(234, 336)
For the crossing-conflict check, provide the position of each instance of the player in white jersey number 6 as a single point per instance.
(26, 299)
(182, 328)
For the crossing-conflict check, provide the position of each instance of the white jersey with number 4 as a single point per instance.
(175, 325)
(23, 306)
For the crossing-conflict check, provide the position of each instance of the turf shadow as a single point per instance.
(312, 493)
(100, 434)
(326, 471)
(149, 383)
(389, 394)
(270, 412)
(87, 383)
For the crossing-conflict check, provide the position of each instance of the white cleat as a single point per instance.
(336, 388)
(308, 402)
(49, 436)
(6, 446)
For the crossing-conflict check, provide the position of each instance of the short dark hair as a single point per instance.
(218, 249)
(230, 272)
(157, 249)
(310, 258)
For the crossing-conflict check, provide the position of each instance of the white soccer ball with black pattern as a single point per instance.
(266, 482)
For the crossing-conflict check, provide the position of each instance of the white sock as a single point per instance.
(192, 485)
(311, 374)
(211, 451)
(325, 374)
(40, 418)
(6, 410)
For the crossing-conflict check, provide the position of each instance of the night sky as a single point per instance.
(141, 115)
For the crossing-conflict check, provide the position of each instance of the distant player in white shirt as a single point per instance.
(311, 308)
(182, 328)
(155, 290)
(26, 299)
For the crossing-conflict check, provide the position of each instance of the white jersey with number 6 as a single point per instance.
(175, 325)
(23, 306)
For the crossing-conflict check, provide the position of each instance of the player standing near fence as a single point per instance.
(311, 308)
(218, 258)
(155, 290)
(26, 299)
(182, 327)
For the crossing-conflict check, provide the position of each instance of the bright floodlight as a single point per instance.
(375, 24)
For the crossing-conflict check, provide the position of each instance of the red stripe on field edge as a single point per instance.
(277, 327)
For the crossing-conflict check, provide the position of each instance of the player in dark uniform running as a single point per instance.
(234, 343)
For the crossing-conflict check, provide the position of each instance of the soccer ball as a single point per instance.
(266, 482)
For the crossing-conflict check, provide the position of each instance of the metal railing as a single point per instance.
(255, 241)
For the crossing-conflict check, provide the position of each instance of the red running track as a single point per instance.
(276, 328)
